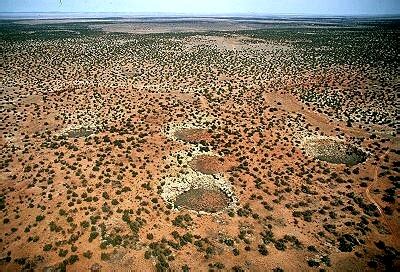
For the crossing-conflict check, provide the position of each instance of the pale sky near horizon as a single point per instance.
(311, 7)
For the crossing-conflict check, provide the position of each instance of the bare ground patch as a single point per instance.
(203, 200)
(192, 135)
(198, 192)
(211, 164)
(334, 151)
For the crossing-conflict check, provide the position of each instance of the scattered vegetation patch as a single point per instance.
(79, 131)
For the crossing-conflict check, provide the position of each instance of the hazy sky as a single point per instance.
(328, 7)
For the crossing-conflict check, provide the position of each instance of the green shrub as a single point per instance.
(72, 259)
(47, 247)
(88, 254)
(105, 256)
(39, 218)
(62, 252)
(93, 235)
(263, 250)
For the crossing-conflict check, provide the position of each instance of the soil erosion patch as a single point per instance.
(334, 151)
(198, 192)
(203, 200)
(192, 134)
(207, 164)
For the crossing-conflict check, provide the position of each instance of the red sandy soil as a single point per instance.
(193, 135)
(98, 198)
(209, 164)
(202, 200)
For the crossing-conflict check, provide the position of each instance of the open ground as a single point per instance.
(199, 145)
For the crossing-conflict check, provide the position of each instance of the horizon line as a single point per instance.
(227, 14)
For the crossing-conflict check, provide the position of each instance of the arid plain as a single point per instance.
(206, 144)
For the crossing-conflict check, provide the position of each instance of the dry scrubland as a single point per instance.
(253, 150)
